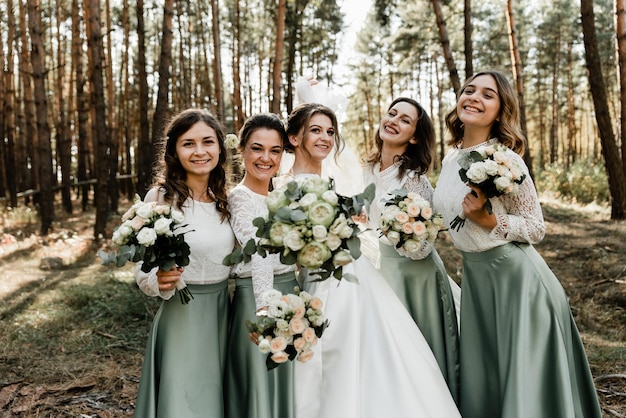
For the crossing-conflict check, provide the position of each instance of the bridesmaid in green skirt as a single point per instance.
(405, 142)
(183, 367)
(521, 354)
(252, 390)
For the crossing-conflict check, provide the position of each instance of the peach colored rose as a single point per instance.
(402, 217)
(278, 344)
(299, 344)
(280, 357)
(407, 228)
(413, 209)
(316, 303)
(309, 336)
(418, 228)
(427, 213)
(305, 356)
(137, 223)
(296, 326)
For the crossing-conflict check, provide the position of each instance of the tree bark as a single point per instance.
(620, 29)
(161, 113)
(44, 146)
(9, 110)
(145, 151)
(516, 63)
(469, 50)
(95, 52)
(278, 56)
(445, 44)
(614, 169)
(217, 61)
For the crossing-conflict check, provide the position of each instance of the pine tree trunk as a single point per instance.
(95, 52)
(217, 61)
(145, 151)
(445, 44)
(9, 110)
(279, 47)
(614, 169)
(44, 146)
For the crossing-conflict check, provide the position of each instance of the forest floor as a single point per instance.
(73, 331)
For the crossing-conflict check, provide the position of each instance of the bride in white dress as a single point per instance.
(372, 361)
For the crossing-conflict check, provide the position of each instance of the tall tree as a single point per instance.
(516, 62)
(95, 52)
(469, 51)
(445, 45)
(145, 151)
(44, 146)
(9, 109)
(161, 112)
(217, 60)
(614, 169)
(278, 55)
(620, 29)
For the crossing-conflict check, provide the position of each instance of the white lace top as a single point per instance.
(519, 217)
(245, 205)
(209, 239)
(387, 181)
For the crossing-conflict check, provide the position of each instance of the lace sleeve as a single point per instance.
(244, 208)
(523, 220)
(420, 185)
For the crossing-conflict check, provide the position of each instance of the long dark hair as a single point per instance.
(170, 174)
(262, 120)
(419, 155)
(507, 129)
(300, 117)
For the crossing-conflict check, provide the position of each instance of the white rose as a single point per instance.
(389, 212)
(503, 184)
(313, 255)
(282, 325)
(491, 167)
(278, 232)
(321, 213)
(121, 234)
(272, 294)
(476, 173)
(293, 240)
(177, 216)
(393, 237)
(333, 241)
(319, 232)
(275, 200)
(342, 258)
(162, 226)
(146, 210)
(308, 199)
(413, 196)
(315, 185)
(330, 197)
(264, 346)
(412, 247)
(146, 237)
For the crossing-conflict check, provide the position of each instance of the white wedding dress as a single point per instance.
(372, 360)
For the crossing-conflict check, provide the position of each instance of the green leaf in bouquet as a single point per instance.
(107, 257)
(354, 246)
(249, 249)
(298, 215)
(233, 258)
(288, 257)
(350, 278)
(260, 224)
(270, 364)
(463, 175)
(488, 207)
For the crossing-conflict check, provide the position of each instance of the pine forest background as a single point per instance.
(87, 86)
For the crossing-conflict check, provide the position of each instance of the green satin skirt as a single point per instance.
(424, 289)
(521, 354)
(252, 390)
(183, 366)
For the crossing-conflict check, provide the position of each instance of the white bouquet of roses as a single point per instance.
(491, 169)
(311, 225)
(292, 325)
(148, 234)
(408, 222)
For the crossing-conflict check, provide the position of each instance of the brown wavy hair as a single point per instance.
(300, 117)
(419, 155)
(170, 174)
(507, 130)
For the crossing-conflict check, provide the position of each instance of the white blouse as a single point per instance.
(519, 217)
(209, 239)
(387, 181)
(245, 205)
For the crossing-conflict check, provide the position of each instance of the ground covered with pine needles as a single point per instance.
(73, 331)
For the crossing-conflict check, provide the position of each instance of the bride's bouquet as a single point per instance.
(311, 225)
(408, 222)
(148, 233)
(491, 169)
(292, 325)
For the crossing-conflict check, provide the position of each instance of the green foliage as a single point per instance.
(584, 182)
